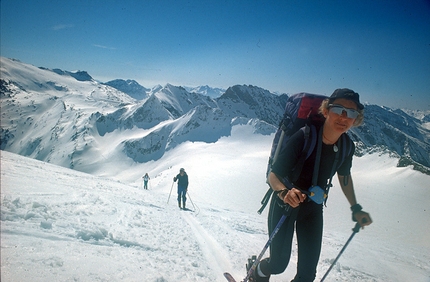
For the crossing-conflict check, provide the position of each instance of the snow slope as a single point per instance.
(58, 224)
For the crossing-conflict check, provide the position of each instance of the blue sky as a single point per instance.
(381, 49)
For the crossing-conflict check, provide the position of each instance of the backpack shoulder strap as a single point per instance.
(310, 136)
(345, 145)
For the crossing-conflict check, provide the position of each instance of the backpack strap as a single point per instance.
(345, 147)
(317, 159)
(308, 147)
(307, 150)
(333, 171)
(269, 192)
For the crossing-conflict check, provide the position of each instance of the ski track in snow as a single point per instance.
(62, 225)
(213, 252)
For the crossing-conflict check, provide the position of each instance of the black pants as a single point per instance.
(307, 219)
(182, 194)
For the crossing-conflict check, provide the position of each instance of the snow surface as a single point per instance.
(59, 224)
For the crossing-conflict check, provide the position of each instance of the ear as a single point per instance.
(325, 112)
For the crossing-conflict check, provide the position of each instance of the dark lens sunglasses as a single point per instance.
(338, 109)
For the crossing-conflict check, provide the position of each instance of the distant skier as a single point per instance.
(182, 178)
(145, 181)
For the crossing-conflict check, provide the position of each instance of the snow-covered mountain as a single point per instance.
(78, 75)
(130, 87)
(53, 116)
(206, 90)
(396, 131)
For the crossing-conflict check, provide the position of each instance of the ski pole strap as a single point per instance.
(270, 191)
(265, 200)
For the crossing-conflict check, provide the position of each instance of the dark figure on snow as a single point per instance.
(341, 111)
(182, 178)
(145, 181)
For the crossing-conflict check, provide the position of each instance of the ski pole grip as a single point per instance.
(356, 227)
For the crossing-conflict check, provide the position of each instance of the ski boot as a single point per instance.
(250, 263)
(254, 276)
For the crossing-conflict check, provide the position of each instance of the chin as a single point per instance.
(341, 128)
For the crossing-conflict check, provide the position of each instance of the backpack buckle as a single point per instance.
(317, 194)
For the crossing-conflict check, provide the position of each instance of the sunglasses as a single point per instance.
(338, 109)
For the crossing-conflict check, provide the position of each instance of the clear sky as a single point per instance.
(379, 48)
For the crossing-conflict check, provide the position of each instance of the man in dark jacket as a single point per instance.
(182, 178)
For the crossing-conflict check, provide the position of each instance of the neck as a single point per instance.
(329, 137)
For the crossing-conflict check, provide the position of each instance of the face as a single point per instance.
(340, 122)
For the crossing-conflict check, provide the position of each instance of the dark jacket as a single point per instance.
(182, 180)
(288, 158)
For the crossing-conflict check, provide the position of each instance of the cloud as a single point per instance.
(62, 26)
(104, 47)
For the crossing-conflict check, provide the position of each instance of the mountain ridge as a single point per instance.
(67, 121)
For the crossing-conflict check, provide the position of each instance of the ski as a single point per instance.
(229, 277)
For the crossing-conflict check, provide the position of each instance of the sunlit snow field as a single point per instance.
(59, 224)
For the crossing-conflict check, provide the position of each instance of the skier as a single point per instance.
(145, 181)
(182, 178)
(341, 111)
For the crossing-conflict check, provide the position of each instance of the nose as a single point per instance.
(344, 114)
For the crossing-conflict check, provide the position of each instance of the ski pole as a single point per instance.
(355, 230)
(171, 188)
(191, 200)
(274, 232)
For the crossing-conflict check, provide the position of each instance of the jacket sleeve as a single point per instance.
(288, 156)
